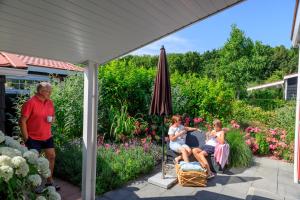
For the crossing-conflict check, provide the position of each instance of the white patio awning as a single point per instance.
(97, 30)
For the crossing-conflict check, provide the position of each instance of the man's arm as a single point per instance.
(23, 127)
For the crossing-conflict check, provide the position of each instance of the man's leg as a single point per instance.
(50, 155)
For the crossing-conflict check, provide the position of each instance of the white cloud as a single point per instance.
(172, 44)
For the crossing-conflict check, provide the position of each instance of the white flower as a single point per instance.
(9, 141)
(2, 137)
(6, 172)
(17, 161)
(31, 156)
(52, 194)
(35, 180)
(23, 170)
(43, 167)
(5, 161)
(21, 166)
(11, 152)
(41, 198)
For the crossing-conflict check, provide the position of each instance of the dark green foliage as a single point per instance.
(201, 97)
(240, 153)
(68, 101)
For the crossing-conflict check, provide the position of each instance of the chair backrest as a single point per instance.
(196, 139)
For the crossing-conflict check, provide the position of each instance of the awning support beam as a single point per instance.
(296, 147)
(90, 116)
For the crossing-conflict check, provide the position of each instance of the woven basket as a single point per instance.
(191, 178)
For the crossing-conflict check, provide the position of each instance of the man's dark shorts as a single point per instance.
(39, 144)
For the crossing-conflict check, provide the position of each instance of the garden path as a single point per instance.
(68, 191)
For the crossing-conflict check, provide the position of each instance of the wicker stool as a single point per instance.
(191, 178)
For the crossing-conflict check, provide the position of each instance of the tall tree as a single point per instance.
(235, 60)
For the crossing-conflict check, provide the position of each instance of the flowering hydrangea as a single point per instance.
(2, 137)
(52, 194)
(35, 180)
(9, 141)
(18, 161)
(11, 152)
(6, 172)
(43, 167)
(21, 166)
(41, 198)
(5, 161)
(31, 156)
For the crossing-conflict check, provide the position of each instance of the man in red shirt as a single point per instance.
(37, 115)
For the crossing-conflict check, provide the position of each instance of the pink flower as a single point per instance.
(248, 142)
(273, 132)
(144, 140)
(153, 133)
(256, 130)
(282, 136)
(107, 146)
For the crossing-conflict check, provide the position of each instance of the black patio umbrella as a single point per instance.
(161, 103)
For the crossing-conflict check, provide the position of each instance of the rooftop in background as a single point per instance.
(23, 61)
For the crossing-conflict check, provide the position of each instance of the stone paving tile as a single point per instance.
(150, 191)
(262, 194)
(120, 194)
(241, 193)
(179, 190)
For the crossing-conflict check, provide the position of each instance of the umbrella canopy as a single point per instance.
(161, 103)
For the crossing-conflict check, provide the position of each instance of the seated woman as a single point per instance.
(177, 134)
(213, 138)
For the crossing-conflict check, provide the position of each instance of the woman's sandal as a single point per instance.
(211, 175)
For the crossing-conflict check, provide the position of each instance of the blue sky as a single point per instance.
(268, 21)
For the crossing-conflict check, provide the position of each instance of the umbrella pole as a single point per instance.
(163, 150)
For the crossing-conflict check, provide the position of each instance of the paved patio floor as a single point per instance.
(267, 179)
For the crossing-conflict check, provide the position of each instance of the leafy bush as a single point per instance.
(116, 164)
(263, 145)
(201, 97)
(68, 101)
(244, 113)
(240, 153)
(284, 118)
(122, 125)
(123, 83)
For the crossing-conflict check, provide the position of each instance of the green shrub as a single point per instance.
(116, 164)
(284, 118)
(244, 113)
(240, 153)
(263, 145)
(122, 125)
(123, 83)
(201, 96)
(68, 101)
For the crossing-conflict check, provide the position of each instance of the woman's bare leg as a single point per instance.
(184, 154)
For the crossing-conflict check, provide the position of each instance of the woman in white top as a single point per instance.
(213, 137)
(177, 134)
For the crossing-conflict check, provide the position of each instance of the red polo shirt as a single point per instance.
(37, 112)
